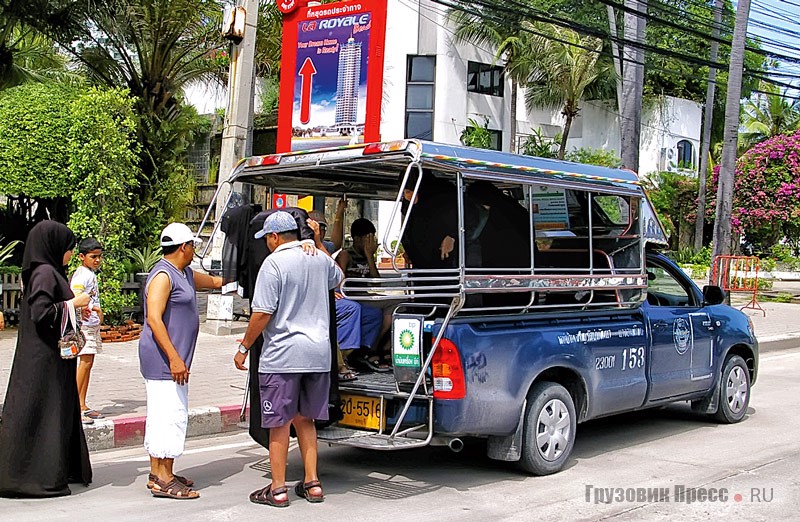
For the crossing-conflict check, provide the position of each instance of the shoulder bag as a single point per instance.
(72, 339)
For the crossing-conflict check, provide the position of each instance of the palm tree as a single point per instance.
(268, 40)
(475, 27)
(27, 31)
(155, 48)
(35, 58)
(561, 68)
(768, 114)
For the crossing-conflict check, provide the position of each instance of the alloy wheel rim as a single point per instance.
(736, 389)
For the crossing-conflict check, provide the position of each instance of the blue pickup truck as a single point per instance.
(553, 307)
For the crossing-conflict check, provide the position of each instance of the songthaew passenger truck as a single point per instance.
(526, 295)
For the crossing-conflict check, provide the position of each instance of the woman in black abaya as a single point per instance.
(42, 445)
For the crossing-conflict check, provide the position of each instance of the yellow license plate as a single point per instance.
(361, 412)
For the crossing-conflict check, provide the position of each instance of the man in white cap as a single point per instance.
(290, 306)
(166, 348)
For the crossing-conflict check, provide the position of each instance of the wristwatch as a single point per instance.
(243, 349)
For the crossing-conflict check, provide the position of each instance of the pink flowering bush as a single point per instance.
(766, 194)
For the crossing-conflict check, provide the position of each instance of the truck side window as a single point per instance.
(664, 290)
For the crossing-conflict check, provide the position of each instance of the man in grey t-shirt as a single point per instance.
(290, 307)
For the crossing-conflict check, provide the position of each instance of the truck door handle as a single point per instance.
(658, 325)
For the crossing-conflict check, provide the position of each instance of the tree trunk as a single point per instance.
(513, 124)
(612, 27)
(705, 144)
(722, 223)
(562, 149)
(632, 85)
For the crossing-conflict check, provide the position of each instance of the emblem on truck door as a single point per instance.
(681, 334)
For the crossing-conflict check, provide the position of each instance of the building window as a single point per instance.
(419, 97)
(685, 155)
(485, 79)
(497, 139)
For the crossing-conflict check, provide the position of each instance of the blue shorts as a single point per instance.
(285, 395)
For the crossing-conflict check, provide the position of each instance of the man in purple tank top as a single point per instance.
(166, 348)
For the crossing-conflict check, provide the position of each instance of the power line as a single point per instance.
(600, 106)
(491, 15)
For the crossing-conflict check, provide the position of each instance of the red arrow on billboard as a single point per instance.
(307, 72)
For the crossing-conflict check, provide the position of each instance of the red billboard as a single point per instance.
(331, 74)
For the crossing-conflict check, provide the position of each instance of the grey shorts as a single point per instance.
(284, 395)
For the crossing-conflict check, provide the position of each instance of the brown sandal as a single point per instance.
(266, 496)
(303, 489)
(151, 479)
(173, 489)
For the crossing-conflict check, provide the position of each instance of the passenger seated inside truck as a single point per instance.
(503, 227)
(360, 325)
(431, 236)
(503, 232)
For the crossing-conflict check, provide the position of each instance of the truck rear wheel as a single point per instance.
(734, 391)
(549, 430)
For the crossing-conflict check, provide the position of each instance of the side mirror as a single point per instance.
(651, 276)
(713, 295)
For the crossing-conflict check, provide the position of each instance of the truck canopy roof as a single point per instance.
(374, 170)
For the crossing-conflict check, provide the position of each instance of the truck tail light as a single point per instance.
(385, 146)
(271, 159)
(448, 372)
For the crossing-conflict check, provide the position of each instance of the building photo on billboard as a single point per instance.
(332, 75)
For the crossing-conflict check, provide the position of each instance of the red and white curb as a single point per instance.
(129, 431)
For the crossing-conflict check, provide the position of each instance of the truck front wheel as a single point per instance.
(734, 390)
(549, 430)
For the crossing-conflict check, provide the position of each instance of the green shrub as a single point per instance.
(477, 135)
(764, 284)
(103, 156)
(539, 145)
(783, 255)
(687, 256)
(603, 158)
(784, 297)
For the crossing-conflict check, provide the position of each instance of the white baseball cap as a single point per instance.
(178, 234)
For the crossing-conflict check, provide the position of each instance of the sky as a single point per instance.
(784, 14)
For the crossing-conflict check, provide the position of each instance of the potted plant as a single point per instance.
(143, 260)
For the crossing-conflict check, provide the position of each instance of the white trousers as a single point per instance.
(167, 418)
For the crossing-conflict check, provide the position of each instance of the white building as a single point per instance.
(432, 87)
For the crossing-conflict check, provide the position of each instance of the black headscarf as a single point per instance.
(46, 244)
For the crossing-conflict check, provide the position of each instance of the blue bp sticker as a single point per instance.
(681, 335)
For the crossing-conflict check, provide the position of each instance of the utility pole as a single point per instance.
(235, 140)
(612, 26)
(632, 84)
(238, 116)
(722, 222)
(705, 143)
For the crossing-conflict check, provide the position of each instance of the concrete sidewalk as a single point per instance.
(217, 388)
(116, 389)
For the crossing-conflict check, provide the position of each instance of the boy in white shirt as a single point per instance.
(85, 280)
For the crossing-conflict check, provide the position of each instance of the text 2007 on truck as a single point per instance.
(554, 306)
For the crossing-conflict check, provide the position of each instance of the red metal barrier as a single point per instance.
(738, 274)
